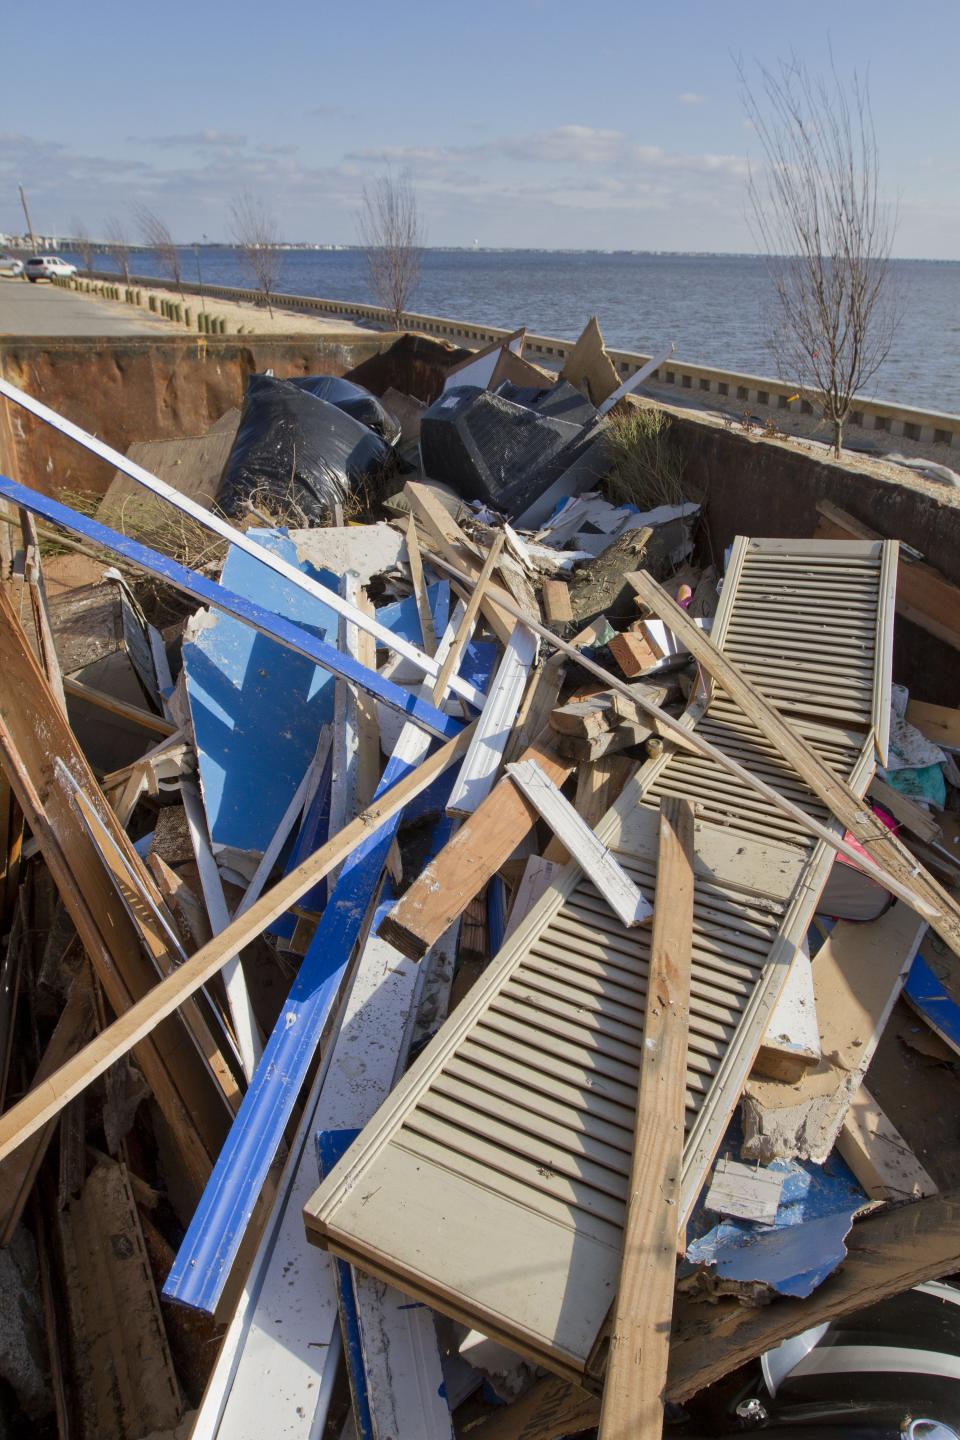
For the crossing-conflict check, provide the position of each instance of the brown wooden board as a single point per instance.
(34, 739)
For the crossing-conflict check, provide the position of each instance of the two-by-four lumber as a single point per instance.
(35, 741)
(924, 596)
(485, 840)
(910, 881)
(604, 872)
(888, 1252)
(139, 1020)
(632, 1406)
(691, 740)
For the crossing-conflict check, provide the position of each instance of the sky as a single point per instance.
(533, 123)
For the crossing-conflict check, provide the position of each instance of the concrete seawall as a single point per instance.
(938, 433)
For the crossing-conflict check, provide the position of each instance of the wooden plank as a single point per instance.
(878, 1154)
(912, 882)
(612, 882)
(640, 1338)
(556, 602)
(34, 740)
(41, 612)
(156, 724)
(419, 587)
(446, 533)
(18, 1174)
(127, 1382)
(495, 726)
(535, 881)
(887, 1252)
(924, 595)
(484, 841)
(598, 785)
(938, 722)
(345, 773)
(917, 818)
(858, 973)
(139, 1020)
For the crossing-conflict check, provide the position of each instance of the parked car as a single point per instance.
(10, 265)
(48, 267)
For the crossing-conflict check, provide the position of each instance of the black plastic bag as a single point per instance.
(298, 450)
(352, 400)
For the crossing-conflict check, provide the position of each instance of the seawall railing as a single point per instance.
(728, 387)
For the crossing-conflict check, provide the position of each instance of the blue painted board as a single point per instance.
(198, 587)
(216, 1231)
(257, 708)
(332, 1145)
(927, 996)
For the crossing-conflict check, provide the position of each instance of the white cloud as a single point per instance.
(690, 97)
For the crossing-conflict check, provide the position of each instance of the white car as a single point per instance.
(48, 267)
(10, 265)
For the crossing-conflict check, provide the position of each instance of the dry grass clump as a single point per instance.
(646, 466)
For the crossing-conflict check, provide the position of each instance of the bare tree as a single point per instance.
(119, 245)
(818, 215)
(392, 234)
(156, 235)
(85, 246)
(255, 231)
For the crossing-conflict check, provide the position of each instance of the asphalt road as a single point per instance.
(45, 309)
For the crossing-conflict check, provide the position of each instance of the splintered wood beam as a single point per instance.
(138, 1021)
(902, 872)
(633, 1388)
(691, 740)
(485, 840)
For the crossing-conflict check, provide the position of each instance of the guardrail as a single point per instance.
(929, 427)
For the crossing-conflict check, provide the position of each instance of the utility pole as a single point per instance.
(33, 238)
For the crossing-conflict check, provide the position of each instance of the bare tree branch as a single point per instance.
(84, 244)
(119, 245)
(392, 234)
(817, 214)
(156, 235)
(255, 231)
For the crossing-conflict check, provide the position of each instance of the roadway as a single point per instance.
(45, 309)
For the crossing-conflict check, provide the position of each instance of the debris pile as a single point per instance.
(474, 962)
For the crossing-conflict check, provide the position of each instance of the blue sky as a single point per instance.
(531, 123)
